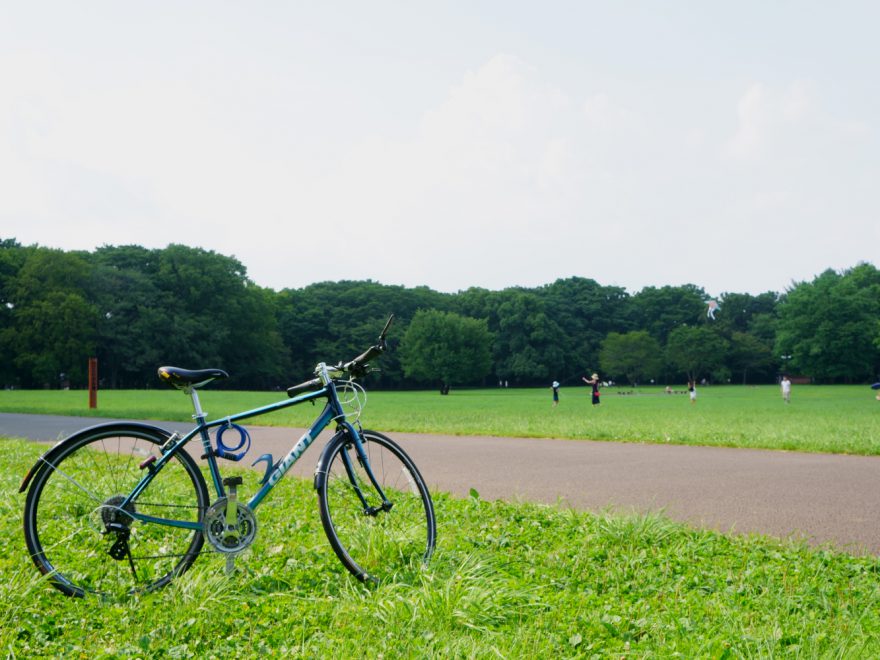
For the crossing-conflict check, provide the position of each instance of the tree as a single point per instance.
(739, 311)
(695, 351)
(330, 321)
(131, 320)
(748, 353)
(636, 355)
(217, 317)
(661, 310)
(829, 325)
(12, 258)
(529, 344)
(55, 337)
(585, 312)
(447, 348)
(53, 322)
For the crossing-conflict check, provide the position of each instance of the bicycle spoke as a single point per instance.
(398, 532)
(91, 495)
(81, 534)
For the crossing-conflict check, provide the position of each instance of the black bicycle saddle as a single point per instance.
(180, 378)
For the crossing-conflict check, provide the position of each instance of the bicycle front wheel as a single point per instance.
(84, 537)
(372, 538)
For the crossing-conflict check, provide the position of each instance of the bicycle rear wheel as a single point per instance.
(375, 541)
(80, 534)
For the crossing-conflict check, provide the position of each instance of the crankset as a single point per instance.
(230, 525)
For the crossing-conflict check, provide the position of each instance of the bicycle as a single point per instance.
(122, 507)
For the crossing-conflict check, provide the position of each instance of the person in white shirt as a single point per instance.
(785, 383)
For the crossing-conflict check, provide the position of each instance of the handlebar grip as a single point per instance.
(308, 386)
(365, 357)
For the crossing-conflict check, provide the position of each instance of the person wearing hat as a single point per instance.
(555, 387)
(594, 382)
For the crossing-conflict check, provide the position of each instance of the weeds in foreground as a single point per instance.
(507, 580)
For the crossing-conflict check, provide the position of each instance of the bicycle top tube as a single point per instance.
(322, 386)
(176, 443)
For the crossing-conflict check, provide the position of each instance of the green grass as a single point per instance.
(508, 580)
(838, 419)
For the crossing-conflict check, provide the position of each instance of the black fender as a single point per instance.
(110, 427)
(324, 459)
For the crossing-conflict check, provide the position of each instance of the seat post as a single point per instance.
(197, 406)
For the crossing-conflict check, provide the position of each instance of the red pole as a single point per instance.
(93, 382)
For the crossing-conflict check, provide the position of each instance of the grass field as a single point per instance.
(838, 419)
(507, 581)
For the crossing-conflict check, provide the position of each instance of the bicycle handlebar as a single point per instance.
(356, 367)
(307, 386)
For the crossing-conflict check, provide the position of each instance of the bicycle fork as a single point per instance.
(355, 482)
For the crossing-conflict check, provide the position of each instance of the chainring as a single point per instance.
(239, 537)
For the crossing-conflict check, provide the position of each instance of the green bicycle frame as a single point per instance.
(332, 411)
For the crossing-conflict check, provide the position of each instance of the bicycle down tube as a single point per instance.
(279, 469)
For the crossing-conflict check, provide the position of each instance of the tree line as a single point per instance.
(136, 309)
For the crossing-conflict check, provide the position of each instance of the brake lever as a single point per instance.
(360, 371)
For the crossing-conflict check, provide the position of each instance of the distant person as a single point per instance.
(593, 382)
(876, 386)
(785, 384)
(555, 387)
(692, 390)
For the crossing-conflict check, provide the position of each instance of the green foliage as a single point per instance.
(695, 351)
(636, 355)
(51, 329)
(446, 347)
(748, 353)
(333, 321)
(507, 580)
(829, 326)
(662, 310)
(529, 340)
(137, 308)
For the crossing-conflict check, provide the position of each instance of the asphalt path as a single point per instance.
(826, 499)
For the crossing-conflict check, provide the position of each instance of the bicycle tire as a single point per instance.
(72, 521)
(374, 547)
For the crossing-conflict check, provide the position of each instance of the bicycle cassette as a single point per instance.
(230, 538)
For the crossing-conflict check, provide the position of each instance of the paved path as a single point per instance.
(824, 498)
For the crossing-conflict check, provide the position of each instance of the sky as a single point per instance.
(735, 146)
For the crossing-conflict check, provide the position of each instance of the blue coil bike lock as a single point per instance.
(229, 452)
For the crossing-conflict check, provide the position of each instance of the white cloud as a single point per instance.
(508, 178)
(788, 122)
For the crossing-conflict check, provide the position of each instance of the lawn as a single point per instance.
(508, 580)
(837, 419)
